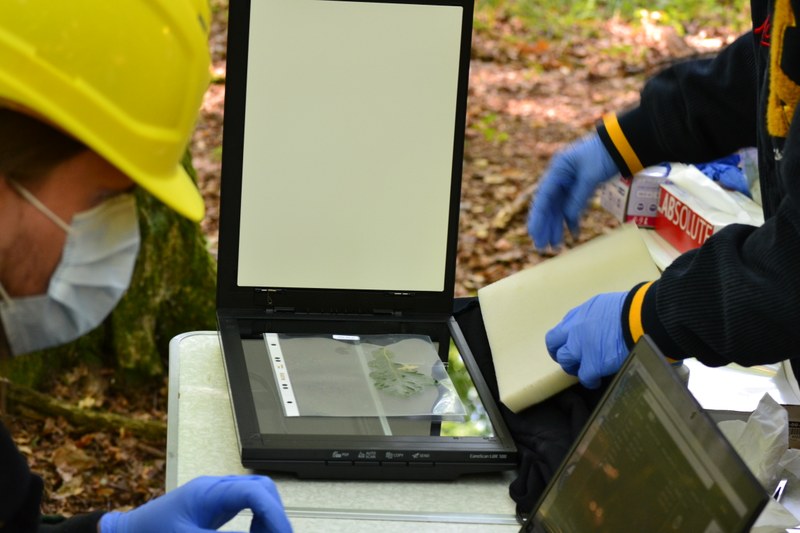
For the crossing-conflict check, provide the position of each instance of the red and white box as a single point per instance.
(683, 220)
(687, 218)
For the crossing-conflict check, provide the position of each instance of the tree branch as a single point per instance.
(95, 420)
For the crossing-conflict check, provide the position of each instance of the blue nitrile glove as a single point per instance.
(733, 178)
(565, 189)
(204, 504)
(588, 341)
(727, 173)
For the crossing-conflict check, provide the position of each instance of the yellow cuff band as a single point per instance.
(621, 143)
(635, 313)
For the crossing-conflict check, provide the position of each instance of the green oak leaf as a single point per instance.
(397, 379)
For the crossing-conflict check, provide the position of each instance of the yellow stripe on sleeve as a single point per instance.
(635, 313)
(621, 143)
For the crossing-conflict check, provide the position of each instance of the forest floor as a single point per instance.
(529, 96)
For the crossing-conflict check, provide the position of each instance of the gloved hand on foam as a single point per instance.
(588, 341)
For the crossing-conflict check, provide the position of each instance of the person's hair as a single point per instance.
(29, 148)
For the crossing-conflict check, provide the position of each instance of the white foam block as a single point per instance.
(520, 309)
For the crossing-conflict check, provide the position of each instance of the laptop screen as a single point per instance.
(649, 460)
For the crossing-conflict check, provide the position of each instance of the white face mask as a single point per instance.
(94, 271)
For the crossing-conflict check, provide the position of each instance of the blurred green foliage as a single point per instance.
(476, 422)
(487, 126)
(555, 18)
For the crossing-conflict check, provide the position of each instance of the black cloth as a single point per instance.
(544, 432)
(20, 491)
(737, 298)
(21, 497)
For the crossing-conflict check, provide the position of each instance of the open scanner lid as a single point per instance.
(342, 155)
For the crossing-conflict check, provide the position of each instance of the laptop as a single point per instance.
(341, 171)
(649, 459)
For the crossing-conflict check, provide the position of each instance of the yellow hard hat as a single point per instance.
(125, 77)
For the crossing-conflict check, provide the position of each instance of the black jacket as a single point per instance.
(737, 298)
(21, 497)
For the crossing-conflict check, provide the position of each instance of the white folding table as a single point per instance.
(201, 441)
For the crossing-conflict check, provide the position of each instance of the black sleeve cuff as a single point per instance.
(636, 126)
(655, 328)
(644, 314)
(626, 313)
(602, 132)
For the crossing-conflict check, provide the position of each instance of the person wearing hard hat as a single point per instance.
(97, 98)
